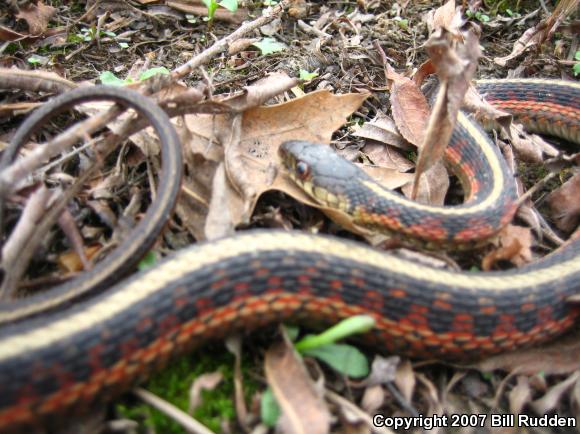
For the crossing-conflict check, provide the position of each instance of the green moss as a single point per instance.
(174, 382)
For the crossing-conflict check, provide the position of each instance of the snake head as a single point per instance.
(321, 172)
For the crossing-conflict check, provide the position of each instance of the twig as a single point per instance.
(34, 81)
(186, 421)
(224, 43)
(24, 166)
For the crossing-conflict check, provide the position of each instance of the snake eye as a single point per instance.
(302, 170)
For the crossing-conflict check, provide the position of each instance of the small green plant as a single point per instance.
(403, 23)
(35, 59)
(576, 67)
(307, 76)
(478, 15)
(269, 46)
(344, 358)
(89, 34)
(212, 5)
(110, 79)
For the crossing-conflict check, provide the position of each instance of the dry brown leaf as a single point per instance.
(564, 204)
(520, 395)
(387, 157)
(405, 379)
(547, 403)
(382, 129)
(36, 16)
(251, 167)
(70, 262)
(447, 17)
(409, 106)
(208, 381)
(541, 32)
(561, 357)
(388, 178)
(433, 186)
(304, 411)
(514, 244)
(425, 69)
(455, 63)
(373, 398)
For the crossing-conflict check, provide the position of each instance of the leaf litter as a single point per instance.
(231, 136)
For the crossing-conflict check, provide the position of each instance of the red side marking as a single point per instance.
(204, 305)
(467, 168)
(476, 228)
(144, 324)
(358, 282)
(440, 304)
(487, 310)
(304, 279)
(545, 315)
(168, 323)
(257, 304)
(527, 307)
(225, 313)
(505, 327)
(474, 187)
(14, 415)
(274, 281)
(305, 290)
(431, 228)
(373, 300)
(397, 293)
(241, 287)
(26, 394)
(95, 357)
(129, 347)
(417, 316)
(262, 272)
(219, 284)
(336, 284)
(181, 301)
(312, 270)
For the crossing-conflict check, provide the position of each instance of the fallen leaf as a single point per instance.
(405, 379)
(251, 165)
(208, 381)
(564, 204)
(382, 129)
(409, 106)
(455, 63)
(304, 411)
(560, 357)
(536, 36)
(447, 17)
(432, 187)
(36, 16)
(520, 395)
(547, 403)
(513, 244)
(373, 398)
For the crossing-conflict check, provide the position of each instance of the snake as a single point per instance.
(72, 352)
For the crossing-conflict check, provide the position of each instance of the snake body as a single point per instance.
(78, 354)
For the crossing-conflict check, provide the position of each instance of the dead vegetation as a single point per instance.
(349, 73)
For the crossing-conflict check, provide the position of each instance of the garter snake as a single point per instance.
(74, 356)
